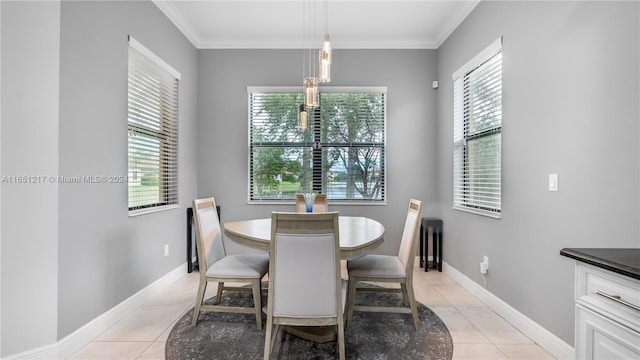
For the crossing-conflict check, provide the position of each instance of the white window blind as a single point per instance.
(477, 117)
(341, 153)
(152, 131)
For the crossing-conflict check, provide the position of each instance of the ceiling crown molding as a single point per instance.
(179, 21)
(447, 15)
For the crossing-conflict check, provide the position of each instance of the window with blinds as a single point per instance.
(477, 118)
(152, 131)
(341, 153)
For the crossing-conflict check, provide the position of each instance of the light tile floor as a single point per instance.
(477, 331)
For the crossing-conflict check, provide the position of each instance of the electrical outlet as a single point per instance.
(166, 250)
(484, 265)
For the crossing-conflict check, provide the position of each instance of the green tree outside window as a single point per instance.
(341, 153)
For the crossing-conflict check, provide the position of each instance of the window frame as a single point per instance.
(160, 129)
(466, 196)
(318, 176)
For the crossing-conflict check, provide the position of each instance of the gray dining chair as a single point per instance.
(305, 285)
(388, 269)
(216, 266)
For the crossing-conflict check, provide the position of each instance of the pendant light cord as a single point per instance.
(326, 16)
(304, 14)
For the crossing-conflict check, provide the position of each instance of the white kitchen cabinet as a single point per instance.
(607, 314)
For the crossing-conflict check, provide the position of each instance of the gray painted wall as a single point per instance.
(106, 256)
(223, 126)
(30, 78)
(570, 106)
(70, 252)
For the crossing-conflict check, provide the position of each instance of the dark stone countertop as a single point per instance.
(621, 261)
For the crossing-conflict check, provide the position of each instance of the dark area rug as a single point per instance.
(371, 336)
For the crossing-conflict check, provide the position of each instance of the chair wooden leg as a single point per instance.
(412, 304)
(219, 292)
(405, 295)
(279, 335)
(267, 338)
(257, 302)
(351, 295)
(199, 298)
(341, 350)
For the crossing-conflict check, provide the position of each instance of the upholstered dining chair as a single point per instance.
(305, 286)
(216, 266)
(388, 269)
(321, 204)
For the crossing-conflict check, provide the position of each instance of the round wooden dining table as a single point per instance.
(358, 235)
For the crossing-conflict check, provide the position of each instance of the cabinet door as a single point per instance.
(600, 338)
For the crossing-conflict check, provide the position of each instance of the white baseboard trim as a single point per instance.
(75, 341)
(543, 337)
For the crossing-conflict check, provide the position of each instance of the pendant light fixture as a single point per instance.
(325, 59)
(325, 52)
(311, 93)
(303, 117)
(310, 80)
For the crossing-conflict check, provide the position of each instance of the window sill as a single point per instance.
(150, 210)
(490, 214)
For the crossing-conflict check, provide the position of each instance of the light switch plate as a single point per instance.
(553, 182)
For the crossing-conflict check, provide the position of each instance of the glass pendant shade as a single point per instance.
(326, 45)
(311, 96)
(325, 60)
(325, 67)
(303, 118)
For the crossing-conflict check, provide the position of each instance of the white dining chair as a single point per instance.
(388, 269)
(305, 286)
(216, 266)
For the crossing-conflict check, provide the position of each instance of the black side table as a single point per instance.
(190, 264)
(436, 225)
